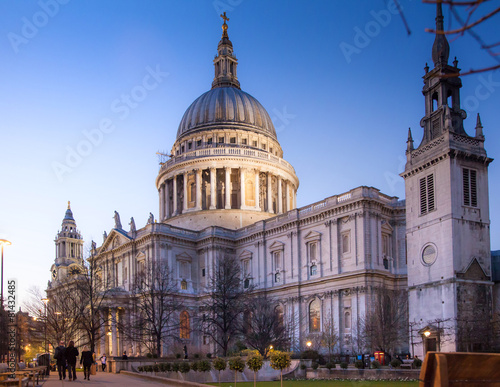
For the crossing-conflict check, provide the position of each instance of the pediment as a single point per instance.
(312, 235)
(141, 256)
(183, 257)
(115, 239)
(277, 245)
(386, 227)
(474, 272)
(245, 254)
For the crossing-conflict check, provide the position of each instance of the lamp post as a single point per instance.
(2, 243)
(47, 356)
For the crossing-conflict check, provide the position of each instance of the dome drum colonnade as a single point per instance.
(226, 157)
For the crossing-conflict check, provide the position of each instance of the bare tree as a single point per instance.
(4, 338)
(225, 304)
(329, 335)
(156, 308)
(264, 325)
(385, 324)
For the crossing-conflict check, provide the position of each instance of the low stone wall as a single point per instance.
(357, 374)
(157, 379)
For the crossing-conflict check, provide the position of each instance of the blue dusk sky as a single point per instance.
(93, 89)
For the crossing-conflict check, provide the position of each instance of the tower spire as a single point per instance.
(479, 128)
(440, 48)
(225, 62)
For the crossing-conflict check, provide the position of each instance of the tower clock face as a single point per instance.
(429, 255)
(54, 274)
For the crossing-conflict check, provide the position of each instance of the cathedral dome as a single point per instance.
(226, 106)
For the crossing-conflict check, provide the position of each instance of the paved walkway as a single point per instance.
(100, 379)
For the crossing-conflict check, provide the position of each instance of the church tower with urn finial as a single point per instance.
(447, 217)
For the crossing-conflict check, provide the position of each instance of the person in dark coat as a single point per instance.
(87, 360)
(71, 356)
(60, 356)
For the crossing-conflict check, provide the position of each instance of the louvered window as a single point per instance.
(427, 203)
(470, 187)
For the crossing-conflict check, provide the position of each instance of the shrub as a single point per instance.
(209, 355)
(194, 366)
(220, 364)
(204, 366)
(375, 364)
(140, 368)
(196, 355)
(161, 366)
(295, 355)
(168, 367)
(175, 367)
(184, 367)
(315, 365)
(417, 363)
(255, 362)
(303, 366)
(330, 365)
(149, 355)
(395, 363)
(156, 368)
(177, 355)
(309, 354)
(155, 356)
(358, 364)
(236, 364)
(343, 365)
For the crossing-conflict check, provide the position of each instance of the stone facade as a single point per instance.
(225, 190)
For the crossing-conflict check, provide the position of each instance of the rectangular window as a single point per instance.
(312, 252)
(277, 259)
(264, 146)
(232, 140)
(470, 187)
(203, 272)
(198, 143)
(255, 143)
(209, 141)
(182, 149)
(190, 145)
(221, 140)
(244, 141)
(427, 194)
(346, 243)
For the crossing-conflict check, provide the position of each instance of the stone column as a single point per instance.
(280, 196)
(257, 190)
(114, 338)
(213, 188)
(166, 196)
(102, 330)
(162, 203)
(184, 185)
(174, 196)
(269, 194)
(242, 188)
(287, 196)
(227, 188)
(198, 189)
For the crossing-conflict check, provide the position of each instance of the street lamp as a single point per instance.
(427, 333)
(2, 243)
(309, 344)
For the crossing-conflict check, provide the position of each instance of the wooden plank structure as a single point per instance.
(460, 369)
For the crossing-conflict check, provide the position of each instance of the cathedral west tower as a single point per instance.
(226, 167)
(447, 217)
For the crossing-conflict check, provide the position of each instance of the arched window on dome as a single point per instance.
(314, 316)
(184, 325)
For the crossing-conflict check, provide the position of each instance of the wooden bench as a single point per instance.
(407, 363)
(19, 382)
(457, 369)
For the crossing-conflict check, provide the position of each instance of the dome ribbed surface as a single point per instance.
(226, 105)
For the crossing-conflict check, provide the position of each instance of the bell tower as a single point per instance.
(447, 217)
(69, 249)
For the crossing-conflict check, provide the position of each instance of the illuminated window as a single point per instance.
(184, 325)
(184, 285)
(314, 316)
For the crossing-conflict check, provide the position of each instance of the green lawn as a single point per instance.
(323, 383)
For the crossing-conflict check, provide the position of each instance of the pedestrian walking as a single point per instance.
(71, 356)
(87, 360)
(103, 362)
(60, 356)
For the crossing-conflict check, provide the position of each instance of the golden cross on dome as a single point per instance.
(224, 17)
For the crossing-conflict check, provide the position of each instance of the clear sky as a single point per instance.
(341, 80)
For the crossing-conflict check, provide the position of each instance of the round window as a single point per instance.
(429, 254)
